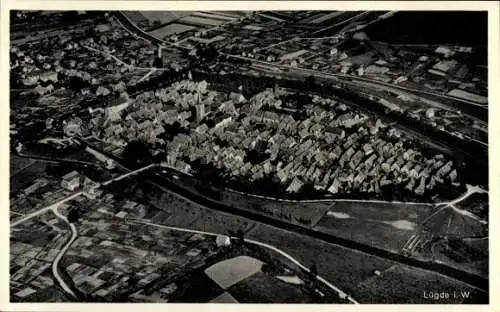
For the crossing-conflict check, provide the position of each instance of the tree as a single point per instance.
(158, 62)
(313, 269)
(137, 151)
(73, 215)
(240, 234)
(207, 53)
(310, 81)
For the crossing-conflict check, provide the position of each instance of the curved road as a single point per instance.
(342, 294)
(52, 207)
(62, 252)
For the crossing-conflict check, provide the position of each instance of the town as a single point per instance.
(248, 156)
(331, 147)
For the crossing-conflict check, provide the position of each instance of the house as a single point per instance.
(356, 159)
(445, 169)
(222, 121)
(445, 51)
(71, 181)
(40, 182)
(369, 161)
(193, 252)
(334, 188)
(222, 240)
(102, 28)
(368, 149)
(121, 215)
(91, 188)
(410, 185)
(102, 91)
(443, 67)
(453, 175)
(228, 108)
(423, 58)
(421, 187)
(407, 167)
(415, 172)
(48, 76)
(360, 178)
(346, 156)
(295, 186)
(237, 98)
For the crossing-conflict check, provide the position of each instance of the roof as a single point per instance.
(71, 175)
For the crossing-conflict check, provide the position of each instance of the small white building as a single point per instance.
(222, 240)
(71, 181)
(445, 51)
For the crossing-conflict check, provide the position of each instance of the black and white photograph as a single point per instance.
(248, 156)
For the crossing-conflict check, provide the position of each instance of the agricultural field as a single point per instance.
(453, 236)
(224, 298)
(221, 223)
(448, 222)
(341, 267)
(35, 187)
(114, 257)
(169, 209)
(232, 271)
(17, 164)
(324, 17)
(235, 14)
(384, 225)
(476, 203)
(240, 277)
(202, 219)
(310, 211)
(196, 287)
(166, 23)
(27, 171)
(165, 16)
(135, 16)
(384, 211)
(465, 254)
(201, 21)
(411, 285)
(33, 246)
(262, 288)
(170, 29)
(216, 16)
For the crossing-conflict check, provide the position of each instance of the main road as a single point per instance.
(62, 252)
(43, 210)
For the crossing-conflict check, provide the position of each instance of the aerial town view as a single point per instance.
(249, 157)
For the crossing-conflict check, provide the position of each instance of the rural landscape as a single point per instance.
(249, 157)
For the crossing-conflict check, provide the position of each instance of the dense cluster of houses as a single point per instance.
(334, 147)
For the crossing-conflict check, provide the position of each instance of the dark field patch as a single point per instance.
(262, 288)
(196, 288)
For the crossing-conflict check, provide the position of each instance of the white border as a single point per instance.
(494, 132)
